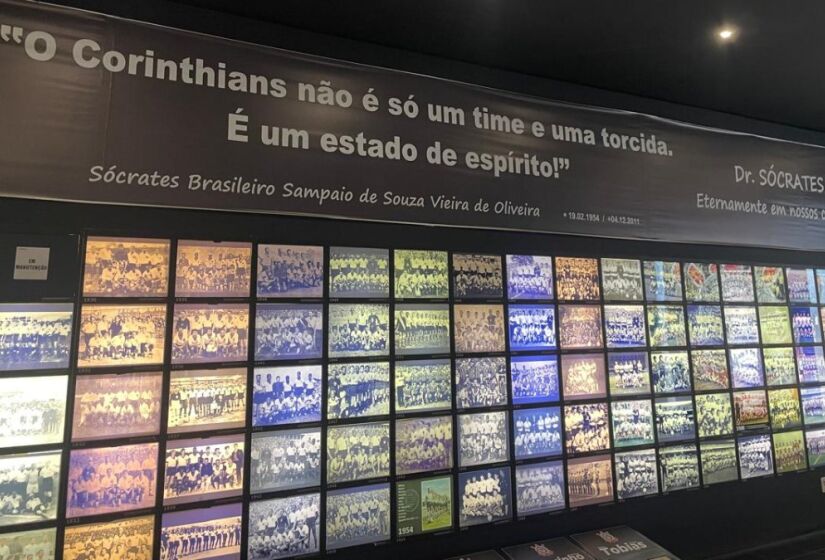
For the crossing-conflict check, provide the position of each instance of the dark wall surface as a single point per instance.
(696, 524)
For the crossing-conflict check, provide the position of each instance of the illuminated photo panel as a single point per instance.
(484, 496)
(477, 276)
(663, 280)
(112, 479)
(286, 395)
(577, 279)
(210, 269)
(33, 410)
(204, 469)
(116, 405)
(35, 336)
(359, 273)
(125, 267)
(202, 400)
(290, 271)
(702, 282)
(421, 274)
(622, 280)
(121, 335)
(529, 277)
(202, 533)
(285, 460)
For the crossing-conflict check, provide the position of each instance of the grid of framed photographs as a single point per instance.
(209, 399)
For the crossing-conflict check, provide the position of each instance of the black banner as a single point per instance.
(99, 109)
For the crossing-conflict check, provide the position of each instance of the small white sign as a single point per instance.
(31, 263)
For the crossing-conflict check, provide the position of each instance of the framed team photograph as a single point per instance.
(632, 423)
(284, 527)
(663, 280)
(628, 373)
(38, 544)
(421, 274)
(481, 382)
(286, 395)
(702, 282)
(209, 270)
(477, 276)
(624, 326)
(705, 325)
(577, 279)
(289, 331)
(358, 390)
(820, 283)
(212, 399)
(109, 539)
(750, 409)
(33, 410)
(534, 379)
(423, 385)
(770, 284)
(359, 330)
(359, 273)
(35, 336)
(741, 325)
(537, 432)
(590, 480)
(478, 328)
(622, 280)
(789, 449)
(806, 324)
(204, 333)
(580, 327)
(813, 405)
(29, 486)
(290, 271)
(801, 285)
(111, 479)
(532, 327)
(358, 516)
(675, 419)
(780, 366)
(670, 372)
(755, 457)
(540, 487)
(583, 376)
(203, 469)
(285, 460)
(483, 438)
(710, 370)
(746, 368)
(121, 335)
(110, 406)
(484, 496)
(810, 364)
(784, 408)
(358, 452)
(719, 462)
(679, 467)
(774, 325)
(714, 415)
(666, 325)
(815, 442)
(126, 267)
(529, 277)
(636, 474)
(423, 444)
(586, 428)
(424, 506)
(737, 283)
(422, 329)
(202, 533)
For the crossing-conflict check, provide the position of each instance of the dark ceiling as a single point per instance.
(661, 49)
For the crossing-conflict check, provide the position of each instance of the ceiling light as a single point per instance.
(727, 33)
